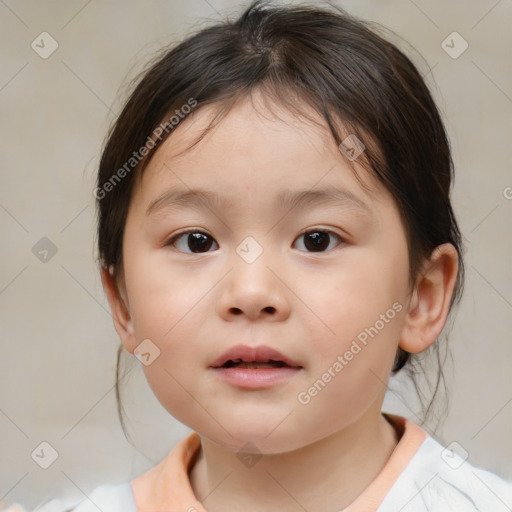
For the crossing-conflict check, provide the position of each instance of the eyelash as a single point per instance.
(177, 236)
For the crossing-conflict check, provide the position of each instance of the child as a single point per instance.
(276, 238)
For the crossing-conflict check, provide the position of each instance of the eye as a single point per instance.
(318, 240)
(194, 240)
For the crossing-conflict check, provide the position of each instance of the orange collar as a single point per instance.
(166, 487)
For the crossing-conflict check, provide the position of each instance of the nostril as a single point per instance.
(238, 311)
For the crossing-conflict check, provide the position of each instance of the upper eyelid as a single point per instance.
(188, 231)
(204, 232)
(324, 230)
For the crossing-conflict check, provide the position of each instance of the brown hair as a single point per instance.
(330, 61)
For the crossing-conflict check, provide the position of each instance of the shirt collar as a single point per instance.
(166, 487)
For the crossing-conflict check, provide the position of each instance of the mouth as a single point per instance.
(254, 368)
(239, 363)
(244, 356)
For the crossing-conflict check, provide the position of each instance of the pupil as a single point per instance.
(319, 240)
(198, 242)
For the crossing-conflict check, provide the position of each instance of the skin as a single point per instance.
(308, 305)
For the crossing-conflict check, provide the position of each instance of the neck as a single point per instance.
(326, 475)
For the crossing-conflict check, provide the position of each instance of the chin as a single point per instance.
(255, 438)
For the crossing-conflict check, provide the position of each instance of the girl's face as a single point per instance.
(286, 250)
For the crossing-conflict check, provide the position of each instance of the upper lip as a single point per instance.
(249, 354)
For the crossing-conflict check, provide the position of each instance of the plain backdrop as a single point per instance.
(58, 344)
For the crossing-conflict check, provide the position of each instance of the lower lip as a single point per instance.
(256, 378)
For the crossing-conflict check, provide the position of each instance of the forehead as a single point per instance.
(258, 145)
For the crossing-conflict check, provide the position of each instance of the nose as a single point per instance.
(253, 291)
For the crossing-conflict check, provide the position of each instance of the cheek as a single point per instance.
(161, 297)
(359, 315)
(168, 309)
(342, 303)
(350, 373)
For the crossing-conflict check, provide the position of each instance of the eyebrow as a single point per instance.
(197, 198)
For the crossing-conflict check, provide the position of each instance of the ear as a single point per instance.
(430, 301)
(120, 311)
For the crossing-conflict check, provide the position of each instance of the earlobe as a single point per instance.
(430, 301)
(120, 312)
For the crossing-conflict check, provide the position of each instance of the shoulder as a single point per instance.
(107, 498)
(439, 480)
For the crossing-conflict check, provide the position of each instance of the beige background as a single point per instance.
(58, 343)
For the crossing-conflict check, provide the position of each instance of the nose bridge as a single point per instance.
(252, 288)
